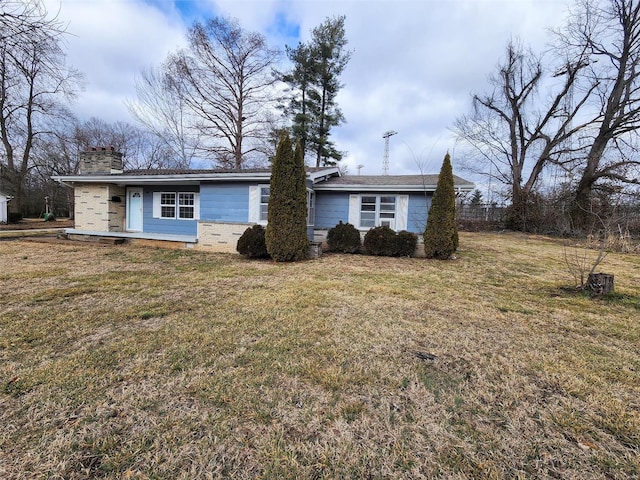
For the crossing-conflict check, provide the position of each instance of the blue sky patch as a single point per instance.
(283, 28)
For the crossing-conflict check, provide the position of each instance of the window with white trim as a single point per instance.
(176, 205)
(265, 192)
(186, 205)
(311, 208)
(167, 205)
(377, 210)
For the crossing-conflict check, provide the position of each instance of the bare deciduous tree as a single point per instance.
(225, 78)
(517, 132)
(608, 31)
(34, 81)
(160, 106)
(26, 21)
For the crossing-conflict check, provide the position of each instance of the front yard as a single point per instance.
(131, 362)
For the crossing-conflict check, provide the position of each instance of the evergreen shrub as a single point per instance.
(380, 241)
(252, 243)
(286, 233)
(441, 234)
(406, 243)
(344, 238)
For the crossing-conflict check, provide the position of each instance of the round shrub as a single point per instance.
(252, 243)
(344, 238)
(406, 243)
(380, 241)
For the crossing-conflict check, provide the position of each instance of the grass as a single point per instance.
(124, 362)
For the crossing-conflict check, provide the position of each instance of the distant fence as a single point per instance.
(487, 213)
(553, 218)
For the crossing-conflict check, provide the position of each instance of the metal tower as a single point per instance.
(385, 161)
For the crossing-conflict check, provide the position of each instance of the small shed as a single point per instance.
(4, 199)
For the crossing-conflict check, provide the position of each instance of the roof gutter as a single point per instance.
(124, 179)
(388, 188)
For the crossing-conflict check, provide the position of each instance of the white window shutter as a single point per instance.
(156, 205)
(402, 212)
(354, 210)
(254, 203)
(196, 206)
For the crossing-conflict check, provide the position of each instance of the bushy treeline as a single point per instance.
(549, 214)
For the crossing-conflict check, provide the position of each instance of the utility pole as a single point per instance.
(385, 161)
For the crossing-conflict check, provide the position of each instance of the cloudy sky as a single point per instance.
(415, 63)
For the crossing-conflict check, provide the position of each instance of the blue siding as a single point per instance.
(419, 204)
(166, 225)
(224, 202)
(331, 207)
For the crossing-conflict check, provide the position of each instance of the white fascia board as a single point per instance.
(388, 188)
(323, 174)
(376, 188)
(162, 179)
(125, 179)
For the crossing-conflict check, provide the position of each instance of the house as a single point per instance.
(4, 200)
(210, 209)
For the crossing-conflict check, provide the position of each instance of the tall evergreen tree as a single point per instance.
(315, 80)
(303, 102)
(329, 42)
(441, 235)
(286, 235)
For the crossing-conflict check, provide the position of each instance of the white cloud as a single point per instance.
(110, 41)
(413, 68)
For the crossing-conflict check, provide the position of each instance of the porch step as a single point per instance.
(111, 240)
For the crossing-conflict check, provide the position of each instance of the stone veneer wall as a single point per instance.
(95, 211)
(219, 236)
(100, 161)
(117, 210)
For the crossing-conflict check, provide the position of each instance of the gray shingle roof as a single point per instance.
(167, 171)
(387, 180)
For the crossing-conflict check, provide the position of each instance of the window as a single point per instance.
(259, 196)
(186, 204)
(176, 205)
(377, 211)
(264, 203)
(311, 208)
(167, 205)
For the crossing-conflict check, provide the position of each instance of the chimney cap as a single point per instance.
(110, 148)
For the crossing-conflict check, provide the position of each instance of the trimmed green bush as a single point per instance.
(344, 238)
(380, 241)
(286, 234)
(252, 243)
(441, 234)
(406, 243)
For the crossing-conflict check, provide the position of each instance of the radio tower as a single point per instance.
(385, 160)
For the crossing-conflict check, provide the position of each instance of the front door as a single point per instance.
(134, 209)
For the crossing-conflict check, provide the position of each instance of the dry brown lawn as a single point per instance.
(131, 362)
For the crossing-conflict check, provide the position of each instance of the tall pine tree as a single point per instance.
(286, 235)
(441, 235)
(315, 81)
(303, 102)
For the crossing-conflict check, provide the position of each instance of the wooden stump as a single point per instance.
(600, 283)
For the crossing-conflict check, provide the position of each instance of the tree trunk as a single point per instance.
(600, 283)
